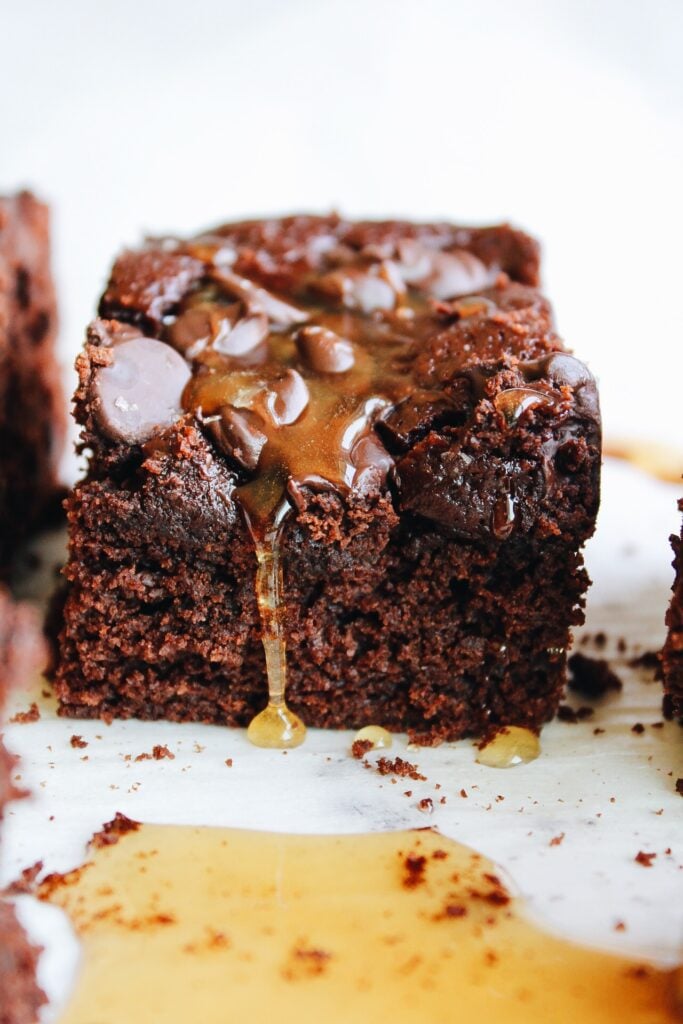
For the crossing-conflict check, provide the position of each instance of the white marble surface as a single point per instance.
(611, 795)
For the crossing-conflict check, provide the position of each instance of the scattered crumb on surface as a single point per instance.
(565, 713)
(159, 753)
(112, 831)
(648, 659)
(679, 787)
(404, 769)
(426, 805)
(78, 742)
(557, 840)
(644, 858)
(228, 762)
(24, 717)
(359, 748)
(592, 677)
(638, 728)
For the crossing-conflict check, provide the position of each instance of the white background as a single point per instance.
(563, 116)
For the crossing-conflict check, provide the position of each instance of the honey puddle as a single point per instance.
(196, 924)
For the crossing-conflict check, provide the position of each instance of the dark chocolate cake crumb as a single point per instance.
(592, 677)
(24, 717)
(557, 840)
(644, 858)
(679, 787)
(414, 866)
(78, 742)
(359, 748)
(426, 805)
(638, 728)
(399, 767)
(650, 660)
(113, 830)
(159, 752)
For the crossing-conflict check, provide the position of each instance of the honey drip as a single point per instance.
(276, 726)
(510, 746)
(186, 924)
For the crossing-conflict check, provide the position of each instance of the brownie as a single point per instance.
(672, 654)
(389, 406)
(20, 649)
(32, 415)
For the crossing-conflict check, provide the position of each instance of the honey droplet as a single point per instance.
(510, 746)
(276, 727)
(379, 737)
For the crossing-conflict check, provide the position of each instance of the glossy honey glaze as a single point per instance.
(186, 924)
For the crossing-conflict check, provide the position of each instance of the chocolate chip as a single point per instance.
(444, 275)
(200, 326)
(563, 370)
(286, 398)
(247, 333)
(239, 434)
(257, 300)
(139, 392)
(368, 290)
(372, 462)
(323, 350)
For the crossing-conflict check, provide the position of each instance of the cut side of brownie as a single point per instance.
(672, 655)
(20, 651)
(32, 415)
(387, 403)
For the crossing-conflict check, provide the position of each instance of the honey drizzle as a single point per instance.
(276, 726)
(186, 924)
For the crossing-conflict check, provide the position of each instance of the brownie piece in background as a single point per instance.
(439, 448)
(21, 648)
(672, 654)
(32, 408)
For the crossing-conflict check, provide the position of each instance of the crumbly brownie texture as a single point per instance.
(20, 997)
(672, 655)
(32, 415)
(404, 386)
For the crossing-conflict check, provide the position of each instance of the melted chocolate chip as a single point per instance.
(286, 398)
(245, 336)
(258, 300)
(323, 350)
(239, 434)
(372, 462)
(139, 392)
(200, 326)
(375, 288)
(443, 275)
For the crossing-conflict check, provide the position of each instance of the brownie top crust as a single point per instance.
(319, 354)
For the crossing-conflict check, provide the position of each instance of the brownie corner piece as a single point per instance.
(672, 653)
(32, 412)
(391, 402)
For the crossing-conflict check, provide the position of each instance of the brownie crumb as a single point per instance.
(592, 677)
(159, 753)
(598, 731)
(78, 742)
(463, 794)
(228, 762)
(414, 866)
(679, 787)
(644, 858)
(359, 748)
(26, 882)
(565, 713)
(399, 767)
(620, 926)
(638, 728)
(557, 840)
(23, 717)
(621, 645)
(426, 805)
(112, 831)
(648, 659)
(600, 639)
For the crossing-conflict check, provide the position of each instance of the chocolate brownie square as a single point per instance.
(20, 650)
(672, 655)
(356, 452)
(32, 414)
